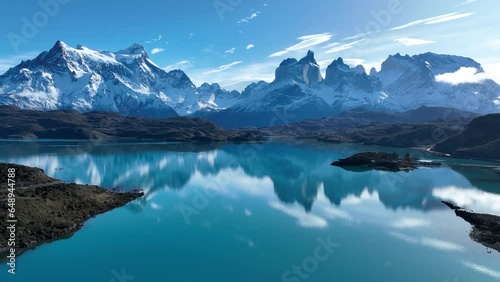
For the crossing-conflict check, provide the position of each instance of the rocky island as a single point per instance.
(383, 161)
(47, 209)
(485, 227)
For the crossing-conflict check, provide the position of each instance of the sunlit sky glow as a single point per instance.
(238, 41)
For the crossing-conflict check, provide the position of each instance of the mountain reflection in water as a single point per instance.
(296, 173)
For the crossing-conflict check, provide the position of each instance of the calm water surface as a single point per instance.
(259, 212)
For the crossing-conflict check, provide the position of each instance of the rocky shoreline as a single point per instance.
(47, 209)
(485, 227)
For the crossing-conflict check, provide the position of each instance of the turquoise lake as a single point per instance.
(260, 212)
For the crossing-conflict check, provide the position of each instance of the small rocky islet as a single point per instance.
(383, 161)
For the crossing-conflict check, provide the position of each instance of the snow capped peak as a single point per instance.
(134, 49)
(305, 71)
(344, 78)
(81, 47)
(60, 45)
(128, 82)
(84, 79)
(397, 63)
(209, 87)
(288, 62)
(58, 49)
(339, 64)
(309, 58)
(359, 69)
(440, 64)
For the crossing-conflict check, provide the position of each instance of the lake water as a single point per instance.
(259, 212)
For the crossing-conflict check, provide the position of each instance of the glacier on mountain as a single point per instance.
(129, 82)
(126, 81)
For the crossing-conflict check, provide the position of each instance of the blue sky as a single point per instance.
(236, 41)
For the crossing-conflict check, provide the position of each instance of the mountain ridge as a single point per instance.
(129, 83)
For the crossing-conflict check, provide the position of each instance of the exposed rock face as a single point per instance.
(343, 78)
(306, 70)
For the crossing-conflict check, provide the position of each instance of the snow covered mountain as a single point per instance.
(403, 83)
(126, 81)
(350, 88)
(415, 81)
(289, 98)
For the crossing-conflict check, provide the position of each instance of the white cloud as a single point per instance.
(413, 41)
(462, 76)
(250, 46)
(249, 18)
(434, 243)
(466, 2)
(434, 20)
(191, 35)
(8, 62)
(155, 206)
(441, 245)
(306, 41)
(470, 198)
(157, 50)
(278, 54)
(240, 76)
(223, 67)
(230, 51)
(155, 39)
(304, 219)
(493, 71)
(336, 47)
(449, 18)
(248, 212)
(355, 36)
(354, 62)
(409, 223)
(482, 269)
(184, 64)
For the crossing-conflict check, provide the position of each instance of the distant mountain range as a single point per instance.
(129, 83)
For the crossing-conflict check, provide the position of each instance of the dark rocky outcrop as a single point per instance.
(382, 161)
(47, 209)
(485, 227)
(342, 77)
(306, 70)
